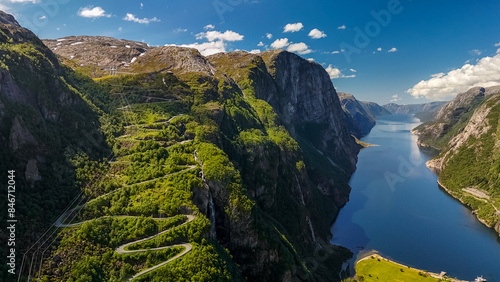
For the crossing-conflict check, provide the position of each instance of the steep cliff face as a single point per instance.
(363, 121)
(277, 81)
(316, 119)
(320, 107)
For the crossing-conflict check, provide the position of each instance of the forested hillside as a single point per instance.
(466, 130)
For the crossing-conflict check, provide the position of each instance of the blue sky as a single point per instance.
(378, 50)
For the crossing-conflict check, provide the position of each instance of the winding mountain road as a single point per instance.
(122, 249)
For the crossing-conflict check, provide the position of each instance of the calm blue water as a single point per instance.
(397, 209)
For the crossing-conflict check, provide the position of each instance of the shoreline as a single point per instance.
(376, 255)
(472, 211)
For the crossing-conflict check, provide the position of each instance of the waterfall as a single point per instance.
(211, 206)
(300, 190)
(211, 211)
(311, 227)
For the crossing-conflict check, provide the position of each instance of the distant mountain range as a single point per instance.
(424, 112)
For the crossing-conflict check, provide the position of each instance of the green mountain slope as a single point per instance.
(468, 165)
(188, 169)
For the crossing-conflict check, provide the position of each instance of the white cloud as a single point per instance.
(497, 44)
(342, 27)
(42, 18)
(255, 51)
(438, 75)
(475, 52)
(132, 18)
(280, 43)
(293, 27)
(92, 12)
(177, 30)
(316, 34)
(379, 49)
(269, 36)
(213, 35)
(207, 48)
(336, 52)
(311, 59)
(395, 98)
(120, 28)
(300, 48)
(353, 70)
(209, 26)
(392, 50)
(485, 73)
(260, 44)
(334, 72)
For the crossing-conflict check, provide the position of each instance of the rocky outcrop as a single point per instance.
(8, 19)
(31, 173)
(20, 136)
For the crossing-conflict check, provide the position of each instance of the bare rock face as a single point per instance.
(8, 19)
(20, 136)
(308, 96)
(105, 52)
(451, 110)
(32, 174)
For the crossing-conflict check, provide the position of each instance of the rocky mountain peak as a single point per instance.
(8, 19)
(98, 51)
(173, 58)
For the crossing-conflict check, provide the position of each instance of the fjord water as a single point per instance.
(397, 209)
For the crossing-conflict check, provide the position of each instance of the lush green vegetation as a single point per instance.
(377, 268)
(477, 164)
(154, 176)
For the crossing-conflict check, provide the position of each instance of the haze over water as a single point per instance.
(397, 209)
